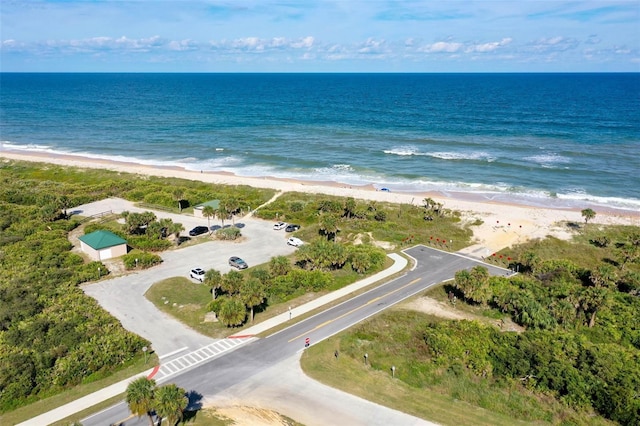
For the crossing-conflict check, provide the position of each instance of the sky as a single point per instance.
(319, 36)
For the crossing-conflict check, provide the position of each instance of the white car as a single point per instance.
(296, 242)
(280, 225)
(197, 274)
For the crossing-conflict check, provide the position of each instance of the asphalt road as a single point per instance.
(213, 377)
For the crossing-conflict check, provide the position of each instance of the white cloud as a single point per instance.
(256, 44)
(489, 47)
(372, 46)
(554, 44)
(441, 47)
(182, 45)
(304, 43)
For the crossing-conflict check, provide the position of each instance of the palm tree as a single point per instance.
(213, 278)
(175, 229)
(463, 281)
(231, 282)
(531, 261)
(428, 203)
(64, 202)
(49, 212)
(232, 312)
(232, 206)
(350, 207)
(474, 284)
(252, 293)
(360, 261)
(329, 225)
(588, 214)
(223, 211)
(208, 212)
(592, 299)
(629, 252)
(170, 402)
(604, 276)
(279, 265)
(178, 193)
(140, 397)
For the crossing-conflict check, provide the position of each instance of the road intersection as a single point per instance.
(213, 377)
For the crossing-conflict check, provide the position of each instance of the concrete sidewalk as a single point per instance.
(110, 391)
(83, 403)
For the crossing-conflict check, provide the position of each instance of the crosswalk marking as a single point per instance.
(199, 356)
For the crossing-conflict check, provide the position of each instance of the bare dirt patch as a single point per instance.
(446, 310)
(251, 416)
(360, 238)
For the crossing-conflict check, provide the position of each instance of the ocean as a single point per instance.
(558, 140)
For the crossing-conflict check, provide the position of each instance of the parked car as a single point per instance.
(197, 274)
(296, 242)
(291, 227)
(198, 230)
(236, 262)
(280, 225)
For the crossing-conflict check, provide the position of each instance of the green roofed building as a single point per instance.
(197, 210)
(102, 245)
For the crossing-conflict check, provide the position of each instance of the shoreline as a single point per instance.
(503, 223)
(445, 191)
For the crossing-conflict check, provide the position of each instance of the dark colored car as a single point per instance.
(236, 262)
(292, 227)
(198, 230)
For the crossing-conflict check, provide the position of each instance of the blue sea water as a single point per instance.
(540, 139)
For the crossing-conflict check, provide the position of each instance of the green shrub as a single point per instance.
(228, 233)
(160, 198)
(141, 260)
(145, 243)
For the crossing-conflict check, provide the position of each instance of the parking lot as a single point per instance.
(124, 297)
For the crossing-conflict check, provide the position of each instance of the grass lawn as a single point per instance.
(186, 301)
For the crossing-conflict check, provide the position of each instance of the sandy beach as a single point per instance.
(503, 224)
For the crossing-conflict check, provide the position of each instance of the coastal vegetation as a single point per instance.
(349, 220)
(577, 302)
(52, 336)
(578, 353)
